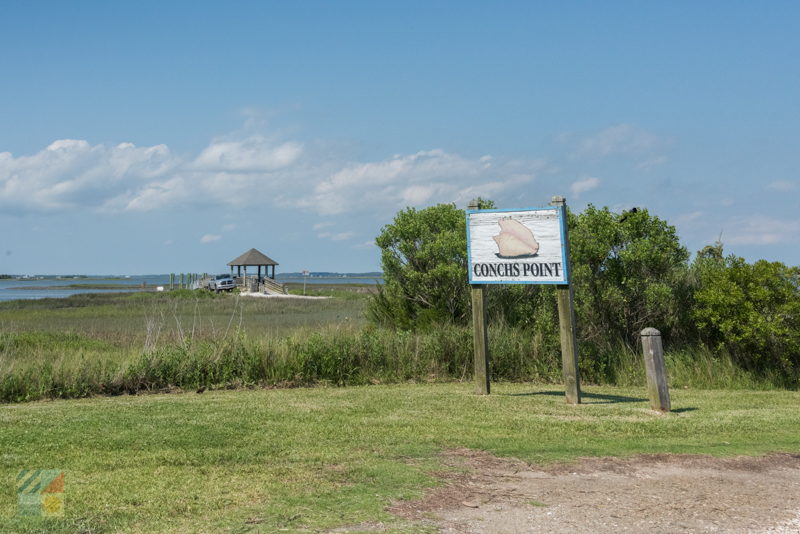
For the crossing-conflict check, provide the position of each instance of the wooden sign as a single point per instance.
(517, 246)
(521, 247)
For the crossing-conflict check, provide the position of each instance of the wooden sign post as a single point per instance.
(566, 322)
(526, 246)
(480, 333)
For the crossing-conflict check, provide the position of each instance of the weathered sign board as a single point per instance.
(525, 246)
(517, 246)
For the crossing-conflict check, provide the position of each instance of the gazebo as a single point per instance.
(254, 258)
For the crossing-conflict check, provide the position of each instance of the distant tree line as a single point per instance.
(629, 271)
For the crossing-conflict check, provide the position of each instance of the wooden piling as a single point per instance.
(566, 321)
(569, 344)
(657, 388)
(480, 334)
(480, 339)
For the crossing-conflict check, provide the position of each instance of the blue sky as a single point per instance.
(154, 137)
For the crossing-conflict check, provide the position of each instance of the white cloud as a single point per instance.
(619, 139)
(686, 218)
(336, 236)
(253, 154)
(152, 196)
(208, 238)
(342, 236)
(584, 185)
(72, 173)
(253, 171)
(425, 177)
(417, 194)
(563, 138)
(322, 225)
(783, 186)
(626, 140)
(654, 161)
(762, 230)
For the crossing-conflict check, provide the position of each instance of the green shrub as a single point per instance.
(423, 254)
(629, 272)
(750, 311)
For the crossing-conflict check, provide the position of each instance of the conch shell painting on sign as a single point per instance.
(515, 240)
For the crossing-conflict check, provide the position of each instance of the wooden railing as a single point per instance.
(271, 286)
(267, 285)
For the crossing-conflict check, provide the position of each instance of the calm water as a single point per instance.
(59, 287)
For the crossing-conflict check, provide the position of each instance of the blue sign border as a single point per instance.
(562, 215)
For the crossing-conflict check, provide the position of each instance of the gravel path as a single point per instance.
(646, 494)
(277, 296)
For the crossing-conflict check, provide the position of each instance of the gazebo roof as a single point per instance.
(253, 257)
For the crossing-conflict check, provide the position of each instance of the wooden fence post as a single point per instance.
(657, 388)
(172, 281)
(480, 334)
(480, 339)
(566, 321)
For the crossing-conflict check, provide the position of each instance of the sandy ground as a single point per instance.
(266, 296)
(647, 494)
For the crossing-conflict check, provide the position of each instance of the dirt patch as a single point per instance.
(647, 494)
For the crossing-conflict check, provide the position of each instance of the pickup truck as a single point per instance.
(221, 282)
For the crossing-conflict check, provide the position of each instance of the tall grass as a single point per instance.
(37, 366)
(113, 344)
(689, 368)
(127, 320)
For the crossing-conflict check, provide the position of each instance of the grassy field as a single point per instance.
(262, 458)
(125, 320)
(307, 459)
(124, 343)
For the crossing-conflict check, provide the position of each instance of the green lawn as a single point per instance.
(306, 459)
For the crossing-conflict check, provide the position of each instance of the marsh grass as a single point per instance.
(114, 344)
(125, 319)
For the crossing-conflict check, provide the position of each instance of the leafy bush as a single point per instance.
(423, 253)
(629, 272)
(751, 311)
